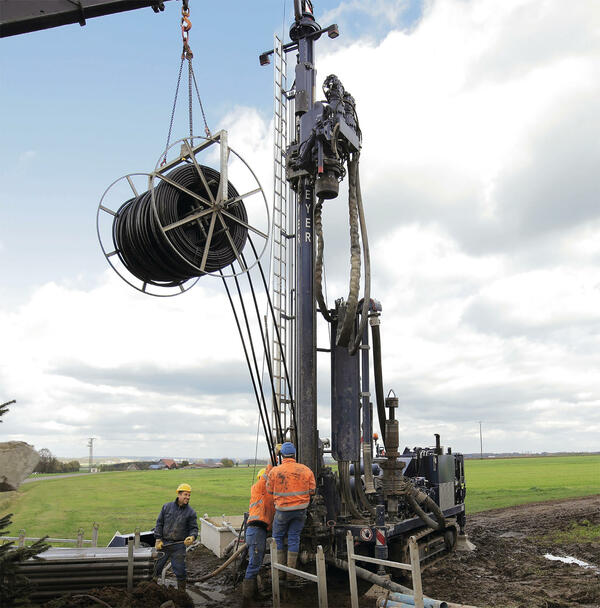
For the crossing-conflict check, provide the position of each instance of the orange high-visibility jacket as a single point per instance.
(261, 503)
(291, 485)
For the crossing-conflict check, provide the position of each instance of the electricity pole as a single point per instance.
(91, 446)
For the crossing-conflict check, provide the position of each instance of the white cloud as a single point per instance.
(479, 177)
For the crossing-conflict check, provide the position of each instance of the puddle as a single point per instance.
(210, 592)
(571, 560)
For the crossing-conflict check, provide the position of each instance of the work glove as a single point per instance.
(277, 449)
(188, 541)
(158, 545)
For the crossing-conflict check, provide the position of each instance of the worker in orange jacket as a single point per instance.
(291, 485)
(260, 519)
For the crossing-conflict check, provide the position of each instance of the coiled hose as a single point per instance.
(149, 254)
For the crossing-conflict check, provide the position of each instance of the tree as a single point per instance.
(4, 408)
(15, 586)
(227, 462)
(48, 463)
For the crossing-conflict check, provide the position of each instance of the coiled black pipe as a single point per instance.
(153, 257)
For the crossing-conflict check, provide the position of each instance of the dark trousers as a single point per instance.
(256, 539)
(175, 553)
(290, 523)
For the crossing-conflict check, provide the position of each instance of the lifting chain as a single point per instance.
(186, 55)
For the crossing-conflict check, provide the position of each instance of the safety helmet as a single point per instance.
(261, 473)
(184, 487)
(288, 449)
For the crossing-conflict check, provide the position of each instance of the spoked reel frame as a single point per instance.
(210, 212)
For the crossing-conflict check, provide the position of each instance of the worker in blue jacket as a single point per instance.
(176, 528)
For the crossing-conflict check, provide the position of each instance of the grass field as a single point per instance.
(124, 500)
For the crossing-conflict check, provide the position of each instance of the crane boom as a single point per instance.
(23, 16)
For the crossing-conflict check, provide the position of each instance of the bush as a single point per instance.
(227, 462)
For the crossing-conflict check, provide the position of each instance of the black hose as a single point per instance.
(262, 411)
(169, 258)
(292, 403)
(319, 262)
(360, 491)
(417, 498)
(344, 471)
(279, 431)
(377, 372)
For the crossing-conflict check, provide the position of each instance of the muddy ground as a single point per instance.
(507, 570)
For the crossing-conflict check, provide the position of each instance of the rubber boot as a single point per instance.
(292, 558)
(181, 585)
(282, 559)
(249, 591)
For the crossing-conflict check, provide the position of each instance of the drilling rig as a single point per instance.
(385, 497)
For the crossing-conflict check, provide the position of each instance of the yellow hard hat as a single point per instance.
(261, 473)
(184, 487)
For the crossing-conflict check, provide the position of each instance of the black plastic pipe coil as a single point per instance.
(154, 258)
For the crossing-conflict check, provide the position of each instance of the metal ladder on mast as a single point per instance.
(282, 245)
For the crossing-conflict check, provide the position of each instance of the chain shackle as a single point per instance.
(186, 26)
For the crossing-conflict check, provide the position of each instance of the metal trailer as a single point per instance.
(419, 491)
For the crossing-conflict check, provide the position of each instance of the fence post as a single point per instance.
(415, 562)
(129, 565)
(95, 527)
(21, 542)
(274, 573)
(352, 570)
(321, 577)
(137, 537)
(80, 538)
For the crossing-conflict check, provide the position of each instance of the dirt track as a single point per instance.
(507, 570)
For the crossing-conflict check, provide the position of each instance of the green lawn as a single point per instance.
(120, 500)
(124, 500)
(495, 483)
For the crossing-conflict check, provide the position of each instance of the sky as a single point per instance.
(479, 173)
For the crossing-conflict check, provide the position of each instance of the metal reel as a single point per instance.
(119, 191)
(213, 213)
(162, 231)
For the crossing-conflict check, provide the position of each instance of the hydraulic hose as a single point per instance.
(344, 470)
(367, 258)
(319, 262)
(378, 378)
(416, 498)
(360, 491)
(223, 565)
(344, 333)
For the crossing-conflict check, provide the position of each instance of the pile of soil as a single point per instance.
(507, 570)
(145, 595)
